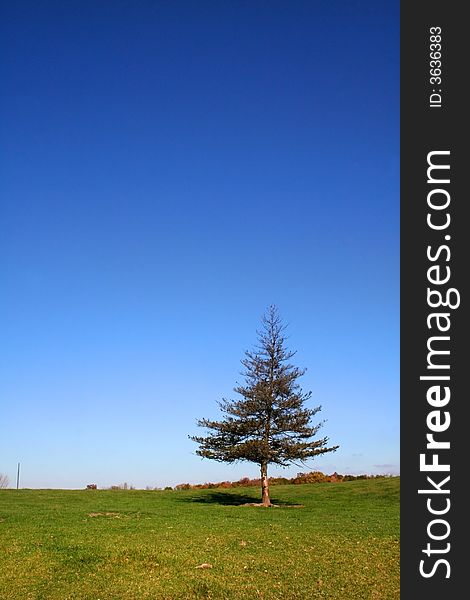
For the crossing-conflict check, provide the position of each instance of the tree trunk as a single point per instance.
(265, 485)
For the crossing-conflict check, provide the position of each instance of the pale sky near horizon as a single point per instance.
(169, 169)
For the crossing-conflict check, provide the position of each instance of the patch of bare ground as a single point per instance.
(112, 515)
(261, 505)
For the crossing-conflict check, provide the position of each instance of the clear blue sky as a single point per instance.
(169, 169)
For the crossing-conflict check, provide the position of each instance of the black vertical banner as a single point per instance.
(435, 249)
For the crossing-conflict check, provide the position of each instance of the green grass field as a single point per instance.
(343, 543)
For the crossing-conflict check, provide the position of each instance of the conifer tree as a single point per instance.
(270, 423)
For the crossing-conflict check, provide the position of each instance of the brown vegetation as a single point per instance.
(311, 477)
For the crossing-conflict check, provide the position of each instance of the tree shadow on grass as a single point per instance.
(228, 499)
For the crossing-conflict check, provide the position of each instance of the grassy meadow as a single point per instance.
(330, 540)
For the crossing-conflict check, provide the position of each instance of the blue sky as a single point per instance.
(169, 169)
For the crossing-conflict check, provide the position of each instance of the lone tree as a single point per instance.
(269, 423)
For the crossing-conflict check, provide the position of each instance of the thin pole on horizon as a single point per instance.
(18, 477)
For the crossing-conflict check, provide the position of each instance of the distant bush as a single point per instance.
(92, 486)
(312, 477)
(226, 484)
(244, 482)
(122, 486)
(279, 481)
(183, 486)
